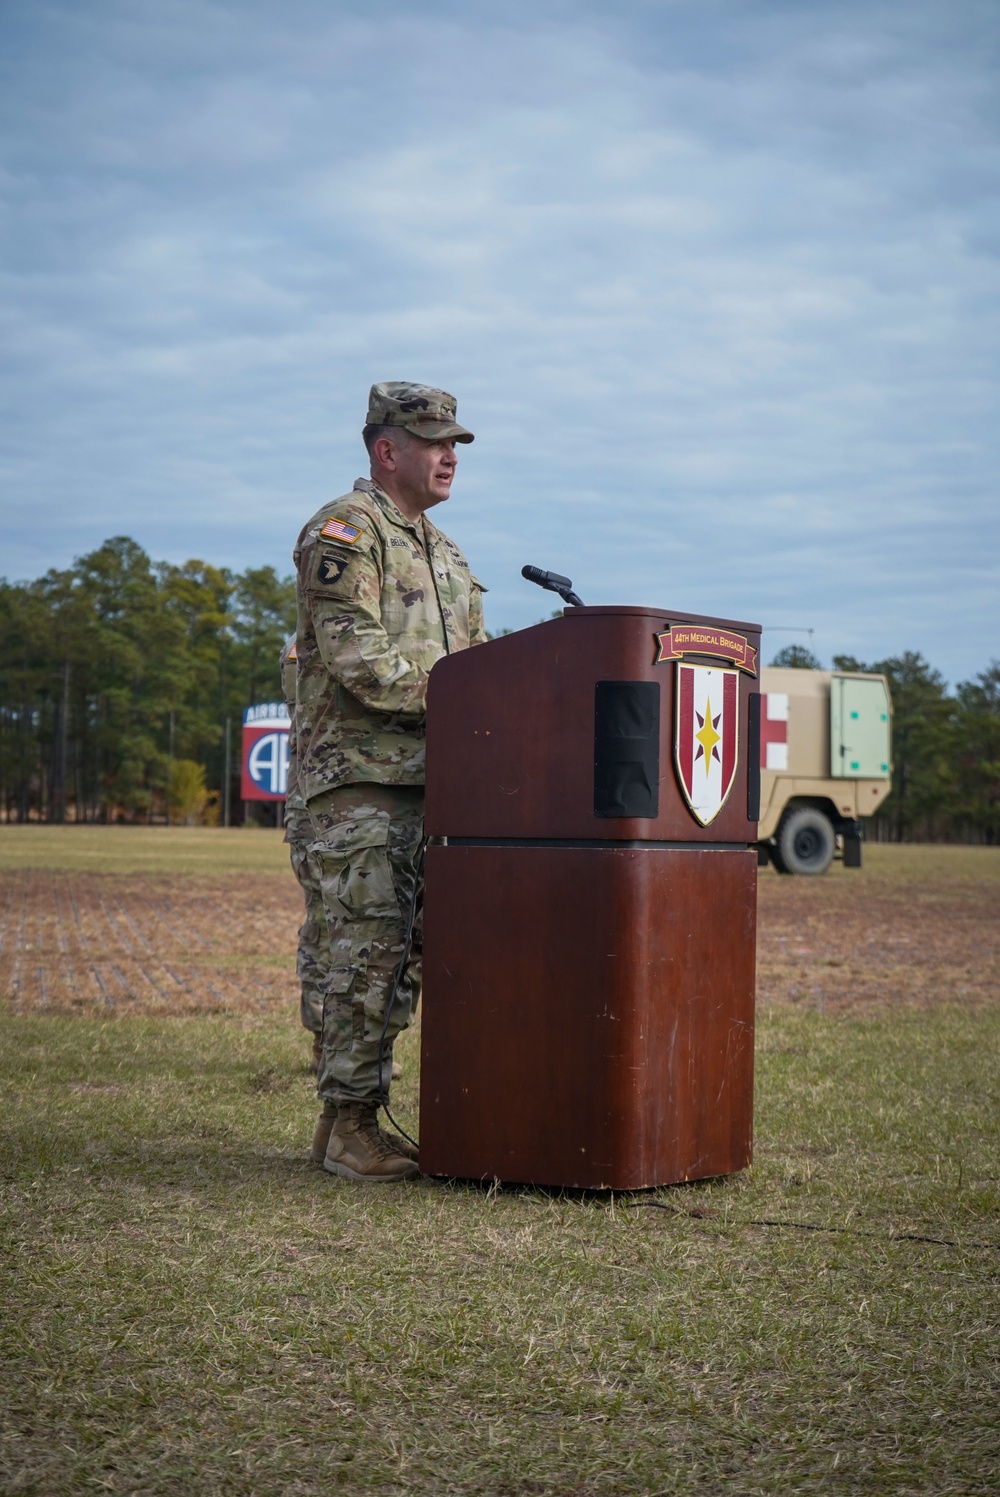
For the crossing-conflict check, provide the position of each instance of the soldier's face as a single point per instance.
(424, 470)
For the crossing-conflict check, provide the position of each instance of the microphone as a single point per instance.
(553, 582)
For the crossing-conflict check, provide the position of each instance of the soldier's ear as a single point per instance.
(384, 453)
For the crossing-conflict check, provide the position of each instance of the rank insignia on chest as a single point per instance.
(331, 568)
(341, 530)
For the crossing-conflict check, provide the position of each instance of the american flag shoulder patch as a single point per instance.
(341, 530)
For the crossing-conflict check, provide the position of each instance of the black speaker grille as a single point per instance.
(627, 748)
(753, 758)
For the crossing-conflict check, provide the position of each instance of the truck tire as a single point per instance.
(805, 842)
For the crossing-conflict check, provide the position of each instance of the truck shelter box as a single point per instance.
(825, 741)
(590, 906)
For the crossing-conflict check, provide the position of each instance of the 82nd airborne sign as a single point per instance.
(706, 736)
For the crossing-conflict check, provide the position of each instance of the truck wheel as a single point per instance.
(805, 842)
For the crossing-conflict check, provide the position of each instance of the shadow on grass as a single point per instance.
(94, 1149)
(602, 1199)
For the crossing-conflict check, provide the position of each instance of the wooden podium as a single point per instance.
(589, 943)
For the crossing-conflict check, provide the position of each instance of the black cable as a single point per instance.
(818, 1227)
(860, 1232)
(383, 1094)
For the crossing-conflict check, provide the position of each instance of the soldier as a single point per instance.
(382, 595)
(313, 959)
(313, 955)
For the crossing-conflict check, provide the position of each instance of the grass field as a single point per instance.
(139, 849)
(189, 1307)
(212, 851)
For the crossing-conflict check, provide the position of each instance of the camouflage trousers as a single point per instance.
(312, 962)
(365, 850)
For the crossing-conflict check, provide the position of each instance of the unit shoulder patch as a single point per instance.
(330, 568)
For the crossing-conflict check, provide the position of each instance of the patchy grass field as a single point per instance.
(144, 944)
(152, 920)
(916, 925)
(189, 1307)
(192, 921)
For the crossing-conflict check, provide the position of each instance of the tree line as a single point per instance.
(119, 676)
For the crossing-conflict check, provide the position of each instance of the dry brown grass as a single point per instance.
(918, 926)
(103, 943)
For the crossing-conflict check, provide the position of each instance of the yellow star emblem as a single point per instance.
(707, 736)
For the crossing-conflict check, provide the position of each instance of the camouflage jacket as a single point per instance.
(380, 599)
(294, 799)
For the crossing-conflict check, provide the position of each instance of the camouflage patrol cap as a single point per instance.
(421, 409)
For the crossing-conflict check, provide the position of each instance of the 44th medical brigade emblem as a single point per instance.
(706, 736)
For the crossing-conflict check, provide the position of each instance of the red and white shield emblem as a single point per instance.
(706, 740)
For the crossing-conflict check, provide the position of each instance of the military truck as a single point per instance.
(825, 764)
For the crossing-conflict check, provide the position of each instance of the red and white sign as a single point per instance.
(706, 738)
(265, 752)
(774, 730)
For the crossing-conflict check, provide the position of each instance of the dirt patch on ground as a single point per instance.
(851, 943)
(107, 943)
(112, 944)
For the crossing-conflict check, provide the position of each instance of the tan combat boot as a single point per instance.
(321, 1137)
(324, 1127)
(359, 1151)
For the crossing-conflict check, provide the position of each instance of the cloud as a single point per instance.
(716, 286)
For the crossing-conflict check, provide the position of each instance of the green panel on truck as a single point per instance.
(859, 729)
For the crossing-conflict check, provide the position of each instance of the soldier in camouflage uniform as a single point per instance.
(313, 958)
(382, 596)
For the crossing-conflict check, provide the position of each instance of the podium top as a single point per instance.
(670, 614)
(586, 727)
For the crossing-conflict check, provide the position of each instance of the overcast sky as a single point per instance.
(715, 282)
